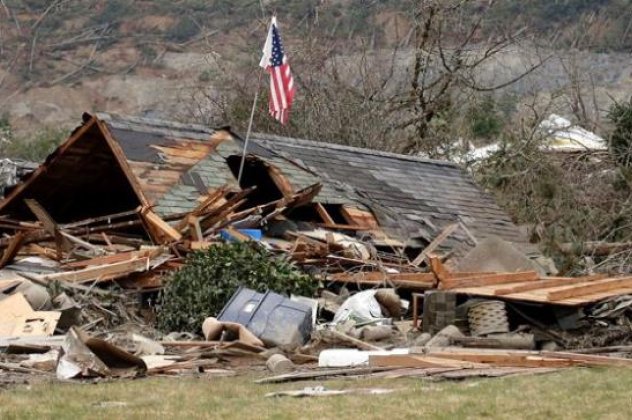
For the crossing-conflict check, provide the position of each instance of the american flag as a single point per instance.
(275, 62)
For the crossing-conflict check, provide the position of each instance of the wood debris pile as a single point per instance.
(67, 286)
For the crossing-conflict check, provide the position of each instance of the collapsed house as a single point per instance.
(125, 199)
(115, 165)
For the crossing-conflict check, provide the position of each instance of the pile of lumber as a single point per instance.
(530, 286)
(476, 358)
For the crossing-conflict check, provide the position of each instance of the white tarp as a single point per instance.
(559, 135)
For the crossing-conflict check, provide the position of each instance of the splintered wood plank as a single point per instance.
(321, 373)
(120, 257)
(219, 214)
(491, 279)
(186, 150)
(438, 269)
(507, 355)
(165, 228)
(280, 180)
(322, 212)
(513, 360)
(379, 276)
(503, 357)
(305, 196)
(445, 233)
(12, 250)
(589, 359)
(546, 283)
(194, 228)
(197, 245)
(540, 296)
(419, 361)
(206, 204)
(62, 243)
(102, 272)
(237, 235)
(590, 288)
(161, 175)
(358, 217)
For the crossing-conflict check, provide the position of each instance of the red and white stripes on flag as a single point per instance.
(275, 62)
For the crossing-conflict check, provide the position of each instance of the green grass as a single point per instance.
(571, 394)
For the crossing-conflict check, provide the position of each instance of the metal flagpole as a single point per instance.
(252, 117)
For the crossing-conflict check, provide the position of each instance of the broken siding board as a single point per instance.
(280, 180)
(439, 270)
(546, 283)
(190, 151)
(436, 242)
(194, 228)
(587, 289)
(506, 357)
(50, 225)
(420, 361)
(322, 212)
(513, 360)
(379, 276)
(486, 280)
(12, 250)
(165, 229)
(120, 257)
(540, 296)
(356, 216)
(101, 273)
(402, 284)
(161, 176)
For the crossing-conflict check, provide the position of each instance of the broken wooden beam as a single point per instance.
(546, 283)
(116, 258)
(101, 272)
(435, 243)
(165, 230)
(62, 243)
(12, 250)
(590, 288)
(420, 361)
(404, 280)
(488, 280)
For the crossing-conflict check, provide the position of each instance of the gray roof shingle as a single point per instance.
(421, 191)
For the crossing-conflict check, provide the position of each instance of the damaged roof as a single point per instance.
(175, 162)
(170, 165)
(414, 192)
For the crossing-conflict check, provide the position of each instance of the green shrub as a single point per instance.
(485, 120)
(621, 138)
(206, 75)
(34, 148)
(6, 131)
(209, 278)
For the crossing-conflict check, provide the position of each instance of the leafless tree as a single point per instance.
(453, 47)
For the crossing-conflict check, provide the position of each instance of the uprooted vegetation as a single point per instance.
(210, 277)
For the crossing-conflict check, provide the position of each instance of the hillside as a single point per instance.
(61, 57)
